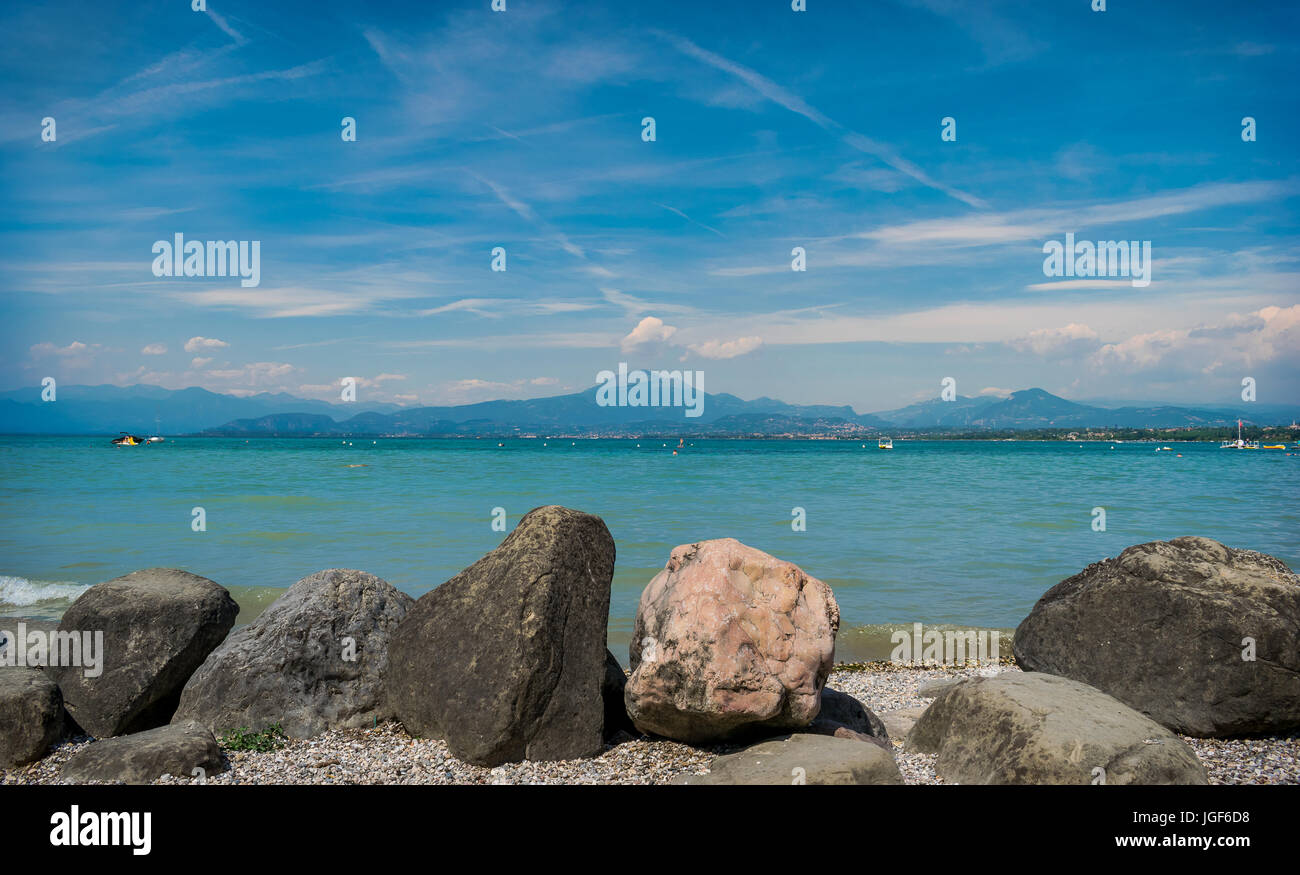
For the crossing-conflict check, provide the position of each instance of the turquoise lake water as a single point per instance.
(968, 534)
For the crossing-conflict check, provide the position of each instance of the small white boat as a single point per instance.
(1239, 444)
(885, 444)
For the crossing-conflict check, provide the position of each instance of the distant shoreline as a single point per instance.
(1125, 435)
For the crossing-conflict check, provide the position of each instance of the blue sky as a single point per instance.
(774, 129)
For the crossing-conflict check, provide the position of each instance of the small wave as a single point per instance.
(19, 592)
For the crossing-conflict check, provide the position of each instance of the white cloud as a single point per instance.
(1073, 339)
(1268, 335)
(717, 349)
(75, 357)
(651, 329)
(370, 383)
(199, 344)
(1040, 224)
(76, 348)
(154, 349)
(508, 307)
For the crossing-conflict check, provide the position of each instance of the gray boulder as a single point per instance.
(31, 715)
(843, 716)
(802, 759)
(506, 660)
(177, 750)
(294, 664)
(159, 625)
(1162, 628)
(1042, 729)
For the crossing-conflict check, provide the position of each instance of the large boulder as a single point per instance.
(729, 641)
(1042, 729)
(31, 715)
(506, 660)
(1162, 629)
(159, 625)
(314, 660)
(802, 759)
(178, 749)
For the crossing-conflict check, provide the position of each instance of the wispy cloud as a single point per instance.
(221, 22)
(689, 219)
(791, 101)
(528, 214)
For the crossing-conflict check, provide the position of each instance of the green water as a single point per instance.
(966, 533)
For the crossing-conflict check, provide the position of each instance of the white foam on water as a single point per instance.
(19, 592)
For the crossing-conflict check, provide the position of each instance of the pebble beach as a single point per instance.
(385, 754)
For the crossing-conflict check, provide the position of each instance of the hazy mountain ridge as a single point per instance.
(140, 409)
(147, 409)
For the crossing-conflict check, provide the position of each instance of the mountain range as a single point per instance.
(154, 410)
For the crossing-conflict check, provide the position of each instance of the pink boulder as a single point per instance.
(729, 640)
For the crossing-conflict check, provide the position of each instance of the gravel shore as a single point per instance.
(387, 755)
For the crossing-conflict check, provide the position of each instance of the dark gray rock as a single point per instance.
(802, 759)
(159, 625)
(291, 665)
(843, 716)
(142, 757)
(1020, 728)
(31, 715)
(611, 691)
(506, 660)
(1161, 628)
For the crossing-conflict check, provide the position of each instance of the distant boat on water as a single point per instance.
(885, 444)
(134, 440)
(1239, 444)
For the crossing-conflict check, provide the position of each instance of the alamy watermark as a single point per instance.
(130, 829)
(240, 258)
(1105, 258)
(651, 389)
(922, 646)
(40, 649)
